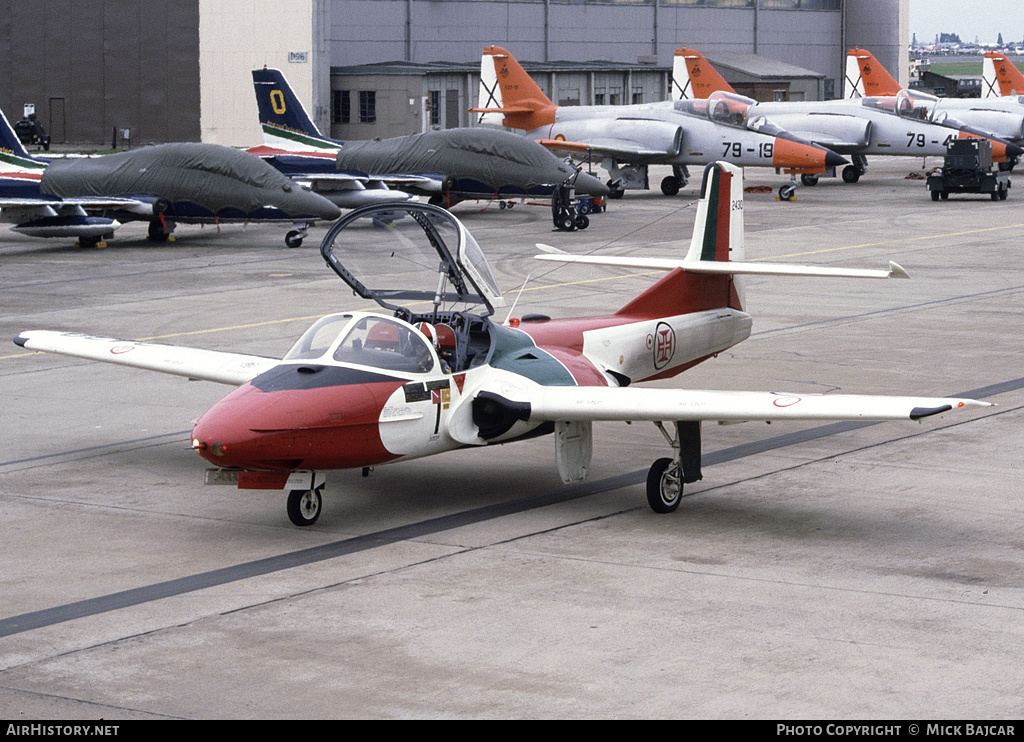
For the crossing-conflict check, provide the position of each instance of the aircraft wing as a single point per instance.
(536, 402)
(42, 205)
(193, 363)
(603, 146)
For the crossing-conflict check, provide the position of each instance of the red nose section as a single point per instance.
(330, 427)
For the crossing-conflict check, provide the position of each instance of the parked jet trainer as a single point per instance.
(188, 182)
(629, 138)
(447, 166)
(1001, 117)
(868, 126)
(433, 372)
(162, 184)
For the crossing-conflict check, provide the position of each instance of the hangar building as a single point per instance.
(129, 73)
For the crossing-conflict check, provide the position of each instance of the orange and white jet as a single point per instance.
(629, 138)
(858, 128)
(999, 117)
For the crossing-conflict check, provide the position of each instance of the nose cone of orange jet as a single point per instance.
(834, 160)
(793, 154)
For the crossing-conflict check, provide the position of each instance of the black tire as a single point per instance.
(304, 507)
(786, 192)
(851, 174)
(156, 232)
(664, 486)
(582, 221)
(994, 195)
(1003, 193)
(613, 191)
(567, 223)
(809, 180)
(944, 195)
(935, 195)
(670, 185)
(293, 238)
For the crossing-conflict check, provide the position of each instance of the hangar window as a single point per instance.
(434, 107)
(367, 106)
(341, 107)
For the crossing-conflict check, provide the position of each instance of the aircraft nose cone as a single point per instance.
(834, 160)
(590, 185)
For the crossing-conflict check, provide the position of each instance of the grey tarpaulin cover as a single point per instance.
(497, 158)
(210, 175)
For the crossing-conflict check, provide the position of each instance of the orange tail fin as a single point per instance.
(1001, 76)
(694, 77)
(866, 77)
(506, 88)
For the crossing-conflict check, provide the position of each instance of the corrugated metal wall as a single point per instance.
(91, 66)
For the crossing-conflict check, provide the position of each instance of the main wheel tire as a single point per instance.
(851, 174)
(809, 180)
(670, 185)
(664, 486)
(304, 507)
(156, 232)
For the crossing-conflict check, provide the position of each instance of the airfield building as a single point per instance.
(111, 71)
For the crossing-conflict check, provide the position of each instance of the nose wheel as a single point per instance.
(304, 506)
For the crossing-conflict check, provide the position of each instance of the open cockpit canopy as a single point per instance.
(430, 262)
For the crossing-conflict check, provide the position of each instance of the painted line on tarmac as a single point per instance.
(192, 583)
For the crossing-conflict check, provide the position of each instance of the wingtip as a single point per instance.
(897, 271)
(20, 339)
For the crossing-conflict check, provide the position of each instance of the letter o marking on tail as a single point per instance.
(277, 101)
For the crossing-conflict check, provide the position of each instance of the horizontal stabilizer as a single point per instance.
(193, 363)
(721, 267)
(505, 109)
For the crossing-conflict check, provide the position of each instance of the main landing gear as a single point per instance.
(852, 173)
(671, 184)
(666, 477)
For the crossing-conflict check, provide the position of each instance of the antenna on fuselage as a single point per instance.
(512, 308)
